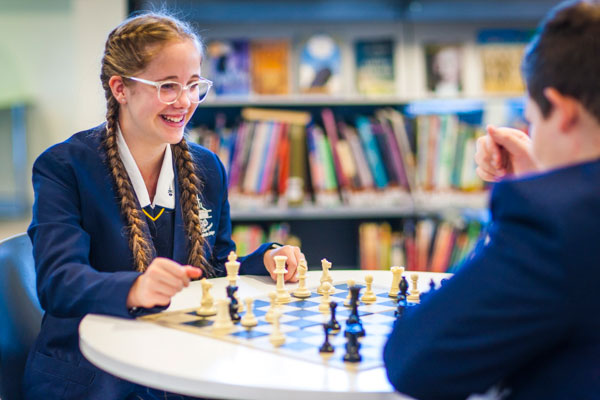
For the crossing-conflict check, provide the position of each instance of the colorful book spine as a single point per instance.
(373, 156)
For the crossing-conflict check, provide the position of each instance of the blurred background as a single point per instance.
(443, 69)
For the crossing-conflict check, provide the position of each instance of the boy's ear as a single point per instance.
(564, 107)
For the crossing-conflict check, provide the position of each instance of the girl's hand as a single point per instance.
(161, 281)
(293, 254)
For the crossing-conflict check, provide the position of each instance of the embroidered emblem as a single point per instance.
(205, 217)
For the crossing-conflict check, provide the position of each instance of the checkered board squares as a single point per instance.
(301, 322)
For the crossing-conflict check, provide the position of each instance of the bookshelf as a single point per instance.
(413, 27)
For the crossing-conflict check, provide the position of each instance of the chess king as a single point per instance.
(520, 316)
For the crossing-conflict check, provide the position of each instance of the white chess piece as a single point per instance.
(223, 323)
(272, 308)
(324, 306)
(233, 268)
(302, 292)
(207, 307)
(283, 296)
(349, 297)
(396, 277)
(415, 295)
(276, 338)
(325, 277)
(249, 319)
(369, 296)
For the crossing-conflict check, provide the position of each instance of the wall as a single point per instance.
(50, 54)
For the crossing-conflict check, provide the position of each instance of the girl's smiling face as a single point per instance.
(143, 117)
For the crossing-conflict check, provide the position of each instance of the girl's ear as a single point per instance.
(117, 88)
(565, 108)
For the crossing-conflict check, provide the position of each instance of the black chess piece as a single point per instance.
(430, 291)
(326, 347)
(353, 323)
(352, 355)
(431, 286)
(233, 304)
(403, 286)
(402, 304)
(333, 325)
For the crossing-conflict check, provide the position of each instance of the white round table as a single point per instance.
(196, 365)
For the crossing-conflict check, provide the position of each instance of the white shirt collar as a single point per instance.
(165, 194)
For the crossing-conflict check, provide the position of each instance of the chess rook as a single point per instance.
(396, 276)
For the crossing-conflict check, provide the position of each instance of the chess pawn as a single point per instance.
(326, 347)
(302, 292)
(325, 277)
(282, 295)
(396, 276)
(414, 295)
(276, 338)
(324, 306)
(347, 301)
(249, 319)
(369, 296)
(207, 307)
(272, 309)
(333, 325)
(223, 323)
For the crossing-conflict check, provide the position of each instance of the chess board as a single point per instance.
(301, 323)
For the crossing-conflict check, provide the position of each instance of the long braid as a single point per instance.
(190, 185)
(139, 243)
(129, 49)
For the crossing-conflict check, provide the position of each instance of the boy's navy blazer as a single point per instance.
(523, 310)
(84, 264)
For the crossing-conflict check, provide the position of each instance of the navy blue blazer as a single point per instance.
(523, 311)
(84, 264)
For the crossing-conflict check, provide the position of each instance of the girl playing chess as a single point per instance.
(121, 207)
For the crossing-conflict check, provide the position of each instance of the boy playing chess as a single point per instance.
(521, 313)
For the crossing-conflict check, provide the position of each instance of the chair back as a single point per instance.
(20, 312)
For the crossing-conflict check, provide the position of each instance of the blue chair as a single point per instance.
(20, 312)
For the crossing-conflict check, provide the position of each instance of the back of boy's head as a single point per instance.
(565, 55)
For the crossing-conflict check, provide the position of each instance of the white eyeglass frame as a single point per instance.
(158, 84)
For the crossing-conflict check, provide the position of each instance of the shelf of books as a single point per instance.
(361, 149)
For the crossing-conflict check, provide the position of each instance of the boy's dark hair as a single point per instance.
(564, 55)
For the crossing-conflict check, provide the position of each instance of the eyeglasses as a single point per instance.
(170, 91)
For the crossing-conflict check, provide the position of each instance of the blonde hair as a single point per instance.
(129, 49)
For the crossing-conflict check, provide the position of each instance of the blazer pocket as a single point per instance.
(62, 369)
